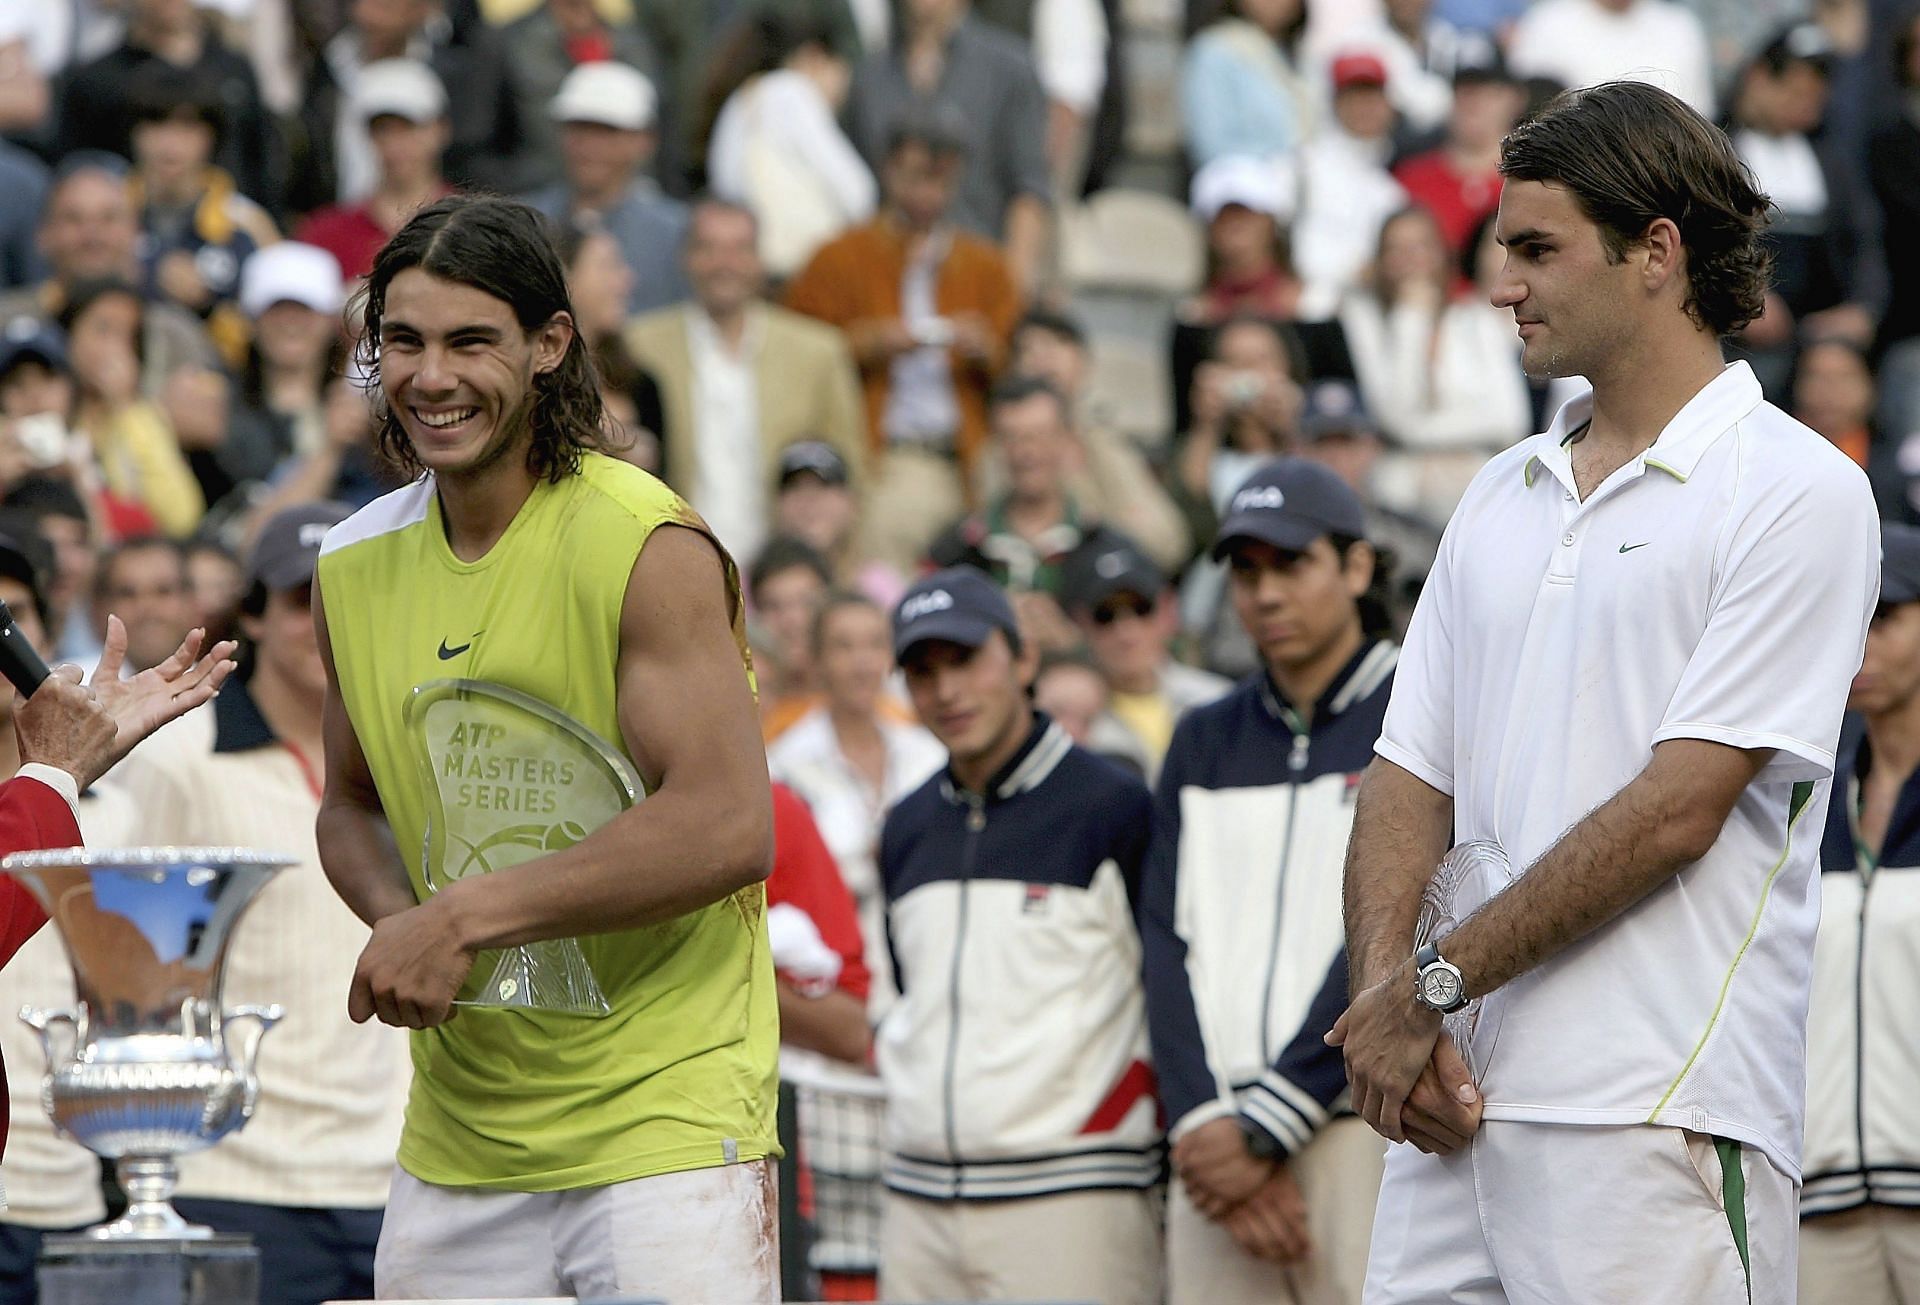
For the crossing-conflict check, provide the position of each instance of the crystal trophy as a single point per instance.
(1467, 878)
(508, 778)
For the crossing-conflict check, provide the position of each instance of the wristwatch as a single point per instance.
(1437, 984)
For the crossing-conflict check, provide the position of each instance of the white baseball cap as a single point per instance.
(1263, 185)
(611, 94)
(305, 274)
(399, 88)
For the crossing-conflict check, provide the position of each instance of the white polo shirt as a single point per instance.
(1716, 587)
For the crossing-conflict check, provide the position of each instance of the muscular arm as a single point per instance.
(687, 717)
(1401, 829)
(357, 850)
(1664, 820)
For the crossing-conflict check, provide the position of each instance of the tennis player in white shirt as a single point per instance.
(1628, 670)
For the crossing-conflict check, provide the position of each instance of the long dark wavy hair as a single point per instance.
(1631, 153)
(504, 249)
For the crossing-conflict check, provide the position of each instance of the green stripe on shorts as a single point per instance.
(1733, 1195)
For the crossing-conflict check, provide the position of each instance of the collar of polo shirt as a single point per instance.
(1708, 415)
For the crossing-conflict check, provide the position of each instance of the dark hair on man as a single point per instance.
(933, 127)
(160, 92)
(781, 554)
(1631, 154)
(133, 546)
(837, 601)
(708, 202)
(1376, 603)
(755, 44)
(1053, 323)
(501, 248)
(43, 496)
(1018, 389)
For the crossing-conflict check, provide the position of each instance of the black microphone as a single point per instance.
(18, 661)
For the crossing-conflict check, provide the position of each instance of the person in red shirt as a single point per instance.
(1459, 180)
(818, 959)
(406, 111)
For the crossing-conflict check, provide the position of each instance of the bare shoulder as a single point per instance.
(681, 590)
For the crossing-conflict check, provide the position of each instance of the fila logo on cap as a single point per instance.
(1258, 496)
(934, 600)
(312, 533)
(1110, 565)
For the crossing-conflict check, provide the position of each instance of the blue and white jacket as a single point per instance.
(1863, 1055)
(1015, 1059)
(1240, 909)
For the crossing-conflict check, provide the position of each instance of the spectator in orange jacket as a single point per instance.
(928, 311)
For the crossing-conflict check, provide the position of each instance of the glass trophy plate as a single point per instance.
(1467, 878)
(508, 778)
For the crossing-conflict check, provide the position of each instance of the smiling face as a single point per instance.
(89, 229)
(1574, 305)
(457, 370)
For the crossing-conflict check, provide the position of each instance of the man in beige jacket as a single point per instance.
(741, 379)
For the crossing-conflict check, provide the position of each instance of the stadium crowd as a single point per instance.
(1064, 291)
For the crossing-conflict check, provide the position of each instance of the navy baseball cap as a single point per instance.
(1899, 564)
(1334, 408)
(958, 605)
(812, 458)
(287, 550)
(1289, 503)
(1093, 575)
(34, 338)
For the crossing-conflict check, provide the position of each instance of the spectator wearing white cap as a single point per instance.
(1348, 193)
(546, 43)
(609, 119)
(1247, 204)
(335, 160)
(1241, 91)
(292, 294)
(404, 108)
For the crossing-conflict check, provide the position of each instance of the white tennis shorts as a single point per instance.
(702, 1235)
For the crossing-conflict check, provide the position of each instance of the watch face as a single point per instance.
(1440, 987)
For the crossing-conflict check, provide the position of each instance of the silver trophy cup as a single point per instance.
(148, 1065)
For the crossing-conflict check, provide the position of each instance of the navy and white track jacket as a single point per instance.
(1240, 909)
(1016, 1057)
(1863, 1054)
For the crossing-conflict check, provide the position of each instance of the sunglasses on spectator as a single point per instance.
(1122, 605)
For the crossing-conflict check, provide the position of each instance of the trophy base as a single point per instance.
(221, 1269)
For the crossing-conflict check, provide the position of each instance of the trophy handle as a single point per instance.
(263, 1018)
(42, 1022)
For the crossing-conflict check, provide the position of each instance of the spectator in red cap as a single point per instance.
(1460, 178)
(1348, 191)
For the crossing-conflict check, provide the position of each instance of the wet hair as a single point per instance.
(501, 248)
(836, 601)
(1631, 154)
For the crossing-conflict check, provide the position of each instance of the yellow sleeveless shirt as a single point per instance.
(681, 1074)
